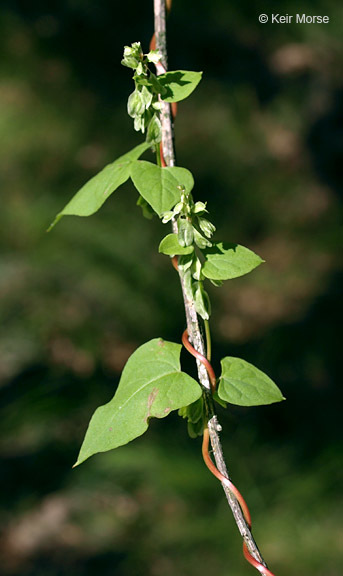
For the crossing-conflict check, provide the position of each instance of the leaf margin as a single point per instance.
(157, 346)
(230, 383)
(96, 181)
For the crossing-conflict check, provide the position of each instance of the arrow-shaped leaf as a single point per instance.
(96, 191)
(243, 384)
(151, 385)
(160, 187)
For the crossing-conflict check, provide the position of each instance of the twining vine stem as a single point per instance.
(210, 465)
(194, 335)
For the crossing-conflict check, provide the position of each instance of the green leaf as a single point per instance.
(170, 246)
(179, 84)
(96, 191)
(146, 208)
(160, 186)
(155, 84)
(217, 283)
(151, 385)
(225, 261)
(195, 429)
(194, 414)
(243, 384)
(217, 399)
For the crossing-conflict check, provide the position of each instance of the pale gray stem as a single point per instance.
(191, 316)
(169, 157)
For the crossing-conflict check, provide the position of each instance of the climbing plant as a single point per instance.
(152, 383)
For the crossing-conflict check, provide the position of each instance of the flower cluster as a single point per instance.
(192, 226)
(143, 104)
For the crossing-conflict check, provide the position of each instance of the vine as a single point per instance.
(152, 383)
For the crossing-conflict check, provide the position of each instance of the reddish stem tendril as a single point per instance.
(211, 466)
(202, 359)
(246, 513)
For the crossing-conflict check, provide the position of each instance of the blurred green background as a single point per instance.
(263, 136)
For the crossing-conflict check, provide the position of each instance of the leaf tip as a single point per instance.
(53, 224)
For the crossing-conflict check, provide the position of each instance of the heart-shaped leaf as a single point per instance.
(243, 384)
(151, 385)
(160, 187)
(178, 84)
(225, 261)
(95, 192)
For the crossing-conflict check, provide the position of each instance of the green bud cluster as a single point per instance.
(143, 104)
(192, 226)
(190, 266)
(193, 230)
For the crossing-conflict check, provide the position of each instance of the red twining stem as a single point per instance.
(174, 262)
(201, 359)
(163, 162)
(211, 466)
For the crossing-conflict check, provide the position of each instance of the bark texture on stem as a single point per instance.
(191, 316)
(169, 157)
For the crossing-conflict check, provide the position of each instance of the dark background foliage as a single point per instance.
(263, 137)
